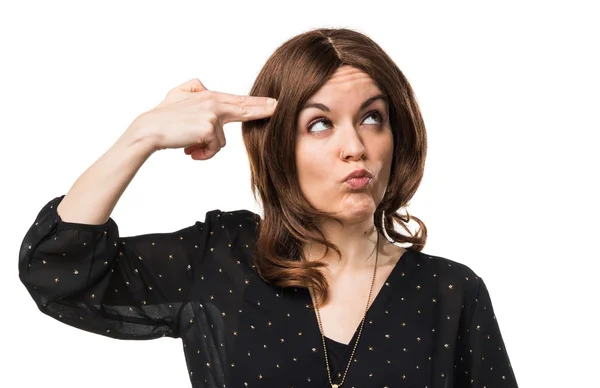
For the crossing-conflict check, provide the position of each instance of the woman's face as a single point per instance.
(344, 127)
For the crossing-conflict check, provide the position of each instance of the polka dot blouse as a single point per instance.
(432, 324)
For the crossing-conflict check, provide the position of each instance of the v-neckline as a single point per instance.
(380, 298)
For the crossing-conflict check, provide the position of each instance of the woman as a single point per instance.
(319, 292)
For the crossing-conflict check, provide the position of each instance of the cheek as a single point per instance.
(389, 153)
(310, 164)
(386, 154)
(388, 148)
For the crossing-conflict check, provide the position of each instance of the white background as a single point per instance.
(509, 94)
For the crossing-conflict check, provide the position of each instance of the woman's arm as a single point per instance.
(74, 263)
(89, 277)
(190, 117)
(95, 193)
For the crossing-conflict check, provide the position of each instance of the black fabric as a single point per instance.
(335, 352)
(432, 324)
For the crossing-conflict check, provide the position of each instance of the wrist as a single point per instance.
(141, 136)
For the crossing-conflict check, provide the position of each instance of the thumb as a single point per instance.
(194, 85)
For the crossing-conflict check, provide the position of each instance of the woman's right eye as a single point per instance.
(315, 124)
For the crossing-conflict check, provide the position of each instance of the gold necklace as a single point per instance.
(362, 323)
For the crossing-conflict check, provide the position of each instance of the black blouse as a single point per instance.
(432, 324)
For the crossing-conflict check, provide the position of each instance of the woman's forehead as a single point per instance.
(346, 83)
(345, 75)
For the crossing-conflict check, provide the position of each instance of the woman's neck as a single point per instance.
(356, 243)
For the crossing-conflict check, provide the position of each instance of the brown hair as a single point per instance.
(293, 73)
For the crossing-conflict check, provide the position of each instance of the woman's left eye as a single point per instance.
(378, 117)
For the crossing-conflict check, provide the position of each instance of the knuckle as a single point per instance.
(212, 118)
(244, 110)
(205, 95)
(210, 105)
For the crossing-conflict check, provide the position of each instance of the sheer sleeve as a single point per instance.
(482, 359)
(88, 277)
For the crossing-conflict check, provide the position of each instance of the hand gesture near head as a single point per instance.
(192, 117)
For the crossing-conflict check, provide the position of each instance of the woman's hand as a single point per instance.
(192, 117)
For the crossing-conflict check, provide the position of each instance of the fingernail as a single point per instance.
(271, 101)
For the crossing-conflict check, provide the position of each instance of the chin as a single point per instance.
(353, 208)
(358, 212)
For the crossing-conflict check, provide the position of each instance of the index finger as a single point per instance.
(241, 99)
(244, 112)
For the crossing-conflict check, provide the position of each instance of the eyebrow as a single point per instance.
(365, 104)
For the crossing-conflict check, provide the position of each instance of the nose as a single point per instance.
(351, 145)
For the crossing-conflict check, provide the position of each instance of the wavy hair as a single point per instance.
(294, 72)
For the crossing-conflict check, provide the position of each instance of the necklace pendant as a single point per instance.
(334, 386)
